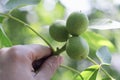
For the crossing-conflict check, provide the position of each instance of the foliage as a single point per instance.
(17, 23)
(4, 41)
(92, 71)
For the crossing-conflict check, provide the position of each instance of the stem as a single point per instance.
(107, 74)
(28, 26)
(75, 76)
(90, 59)
(4, 15)
(60, 50)
(69, 68)
(72, 69)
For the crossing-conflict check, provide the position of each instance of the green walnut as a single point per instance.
(77, 23)
(58, 31)
(77, 48)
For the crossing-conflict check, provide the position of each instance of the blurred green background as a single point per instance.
(43, 14)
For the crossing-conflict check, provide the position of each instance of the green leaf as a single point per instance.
(17, 32)
(104, 55)
(89, 74)
(95, 41)
(16, 3)
(106, 79)
(1, 19)
(4, 41)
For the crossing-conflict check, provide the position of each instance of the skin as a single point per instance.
(16, 62)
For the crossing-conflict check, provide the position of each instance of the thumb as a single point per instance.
(49, 67)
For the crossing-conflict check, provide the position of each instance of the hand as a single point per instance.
(16, 63)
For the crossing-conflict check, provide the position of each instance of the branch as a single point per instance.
(28, 26)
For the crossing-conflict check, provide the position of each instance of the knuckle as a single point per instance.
(3, 50)
(20, 53)
(14, 52)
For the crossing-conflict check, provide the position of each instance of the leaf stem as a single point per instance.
(4, 15)
(60, 50)
(107, 74)
(28, 26)
(69, 68)
(90, 59)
